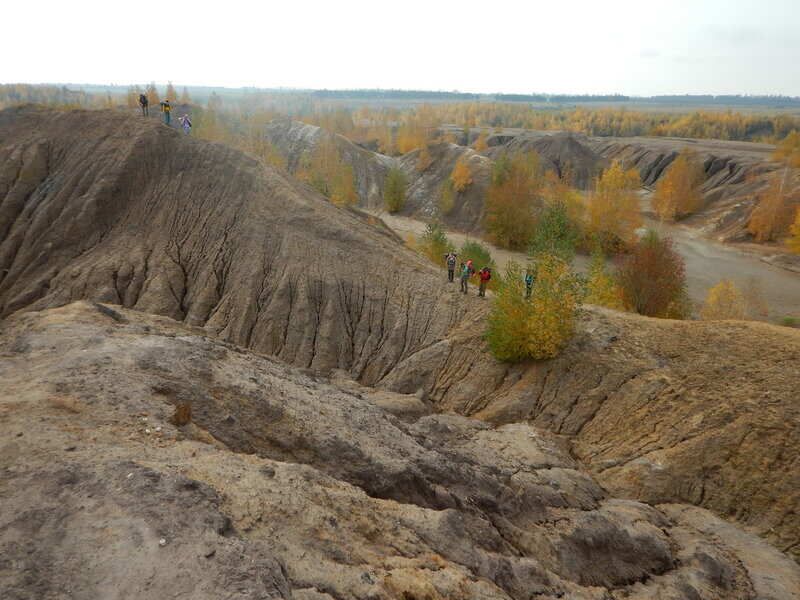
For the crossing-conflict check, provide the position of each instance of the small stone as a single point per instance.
(209, 552)
(158, 428)
(129, 475)
(70, 448)
(162, 542)
(147, 431)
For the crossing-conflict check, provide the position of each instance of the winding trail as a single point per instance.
(707, 262)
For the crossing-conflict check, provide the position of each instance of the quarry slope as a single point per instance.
(294, 139)
(129, 212)
(285, 485)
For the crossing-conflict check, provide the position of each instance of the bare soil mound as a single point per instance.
(132, 213)
(277, 484)
(566, 154)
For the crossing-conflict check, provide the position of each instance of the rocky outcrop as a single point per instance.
(285, 485)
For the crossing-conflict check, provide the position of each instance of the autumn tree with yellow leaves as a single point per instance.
(772, 216)
(539, 327)
(788, 151)
(724, 301)
(480, 144)
(678, 192)
(794, 234)
(613, 211)
(461, 176)
(152, 95)
(326, 172)
(170, 94)
(513, 200)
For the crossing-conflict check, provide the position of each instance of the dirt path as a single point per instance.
(707, 262)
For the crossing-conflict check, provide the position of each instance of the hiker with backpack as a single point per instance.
(528, 284)
(464, 274)
(485, 275)
(166, 108)
(144, 103)
(186, 123)
(450, 261)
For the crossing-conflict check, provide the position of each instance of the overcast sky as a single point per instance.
(559, 46)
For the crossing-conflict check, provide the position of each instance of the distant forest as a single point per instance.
(80, 94)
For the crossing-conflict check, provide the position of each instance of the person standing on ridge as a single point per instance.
(464, 273)
(450, 259)
(144, 103)
(485, 275)
(166, 109)
(186, 123)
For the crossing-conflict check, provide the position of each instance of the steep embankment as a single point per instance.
(282, 485)
(132, 213)
(294, 140)
(734, 173)
(425, 186)
(568, 155)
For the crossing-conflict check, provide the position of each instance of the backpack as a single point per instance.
(451, 261)
(142, 99)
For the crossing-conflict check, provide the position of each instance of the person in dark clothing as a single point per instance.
(464, 273)
(144, 103)
(450, 260)
(166, 108)
(485, 274)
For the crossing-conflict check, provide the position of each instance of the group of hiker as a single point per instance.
(166, 110)
(467, 270)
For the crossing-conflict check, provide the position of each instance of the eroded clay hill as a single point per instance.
(424, 181)
(103, 207)
(111, 208)
(284, 485)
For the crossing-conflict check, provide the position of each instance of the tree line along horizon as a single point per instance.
(529, 209)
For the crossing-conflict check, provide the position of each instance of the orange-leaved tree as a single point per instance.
(152, 94)
(614, 214)
(772, 216)
(513, 200)
(788, 151)
(794, 234)
(325, 170)
(653, 280)
(602, 288)
(480, 144)
(724, 301)
(678, 192)
(461, 176)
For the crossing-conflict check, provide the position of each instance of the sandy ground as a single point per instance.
(707, 262)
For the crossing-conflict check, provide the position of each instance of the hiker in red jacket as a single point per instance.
(485, 274)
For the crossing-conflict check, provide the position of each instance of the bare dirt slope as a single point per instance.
(294, 139)
(132, 213)
(283, 485)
